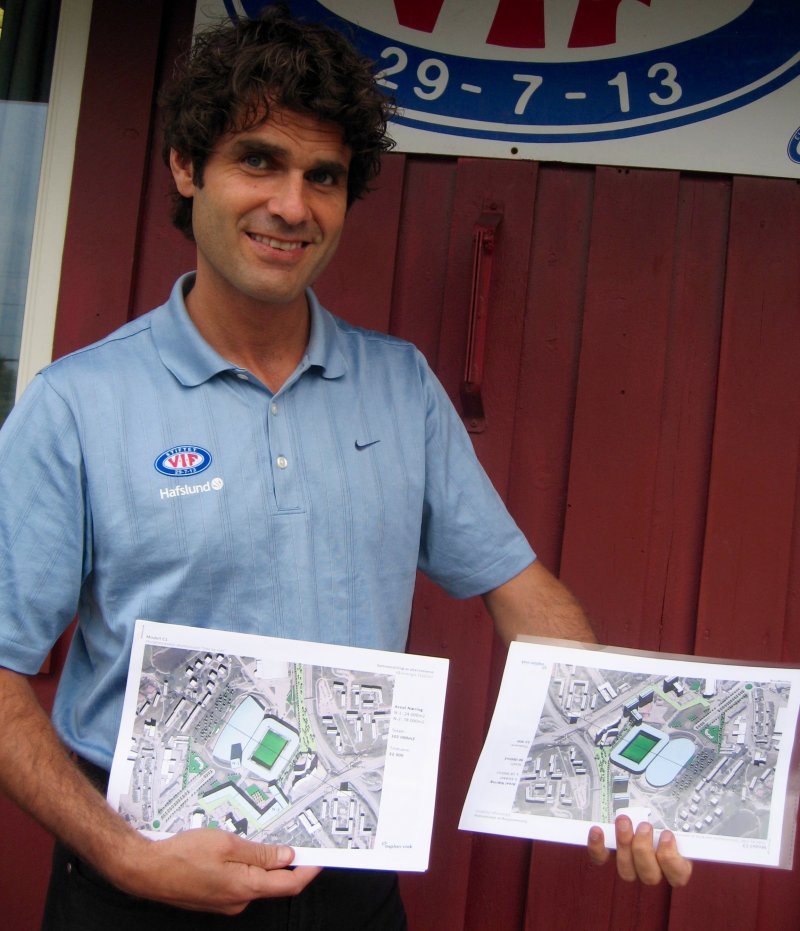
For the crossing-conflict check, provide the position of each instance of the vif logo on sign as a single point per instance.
(183, 460)
(566, 70)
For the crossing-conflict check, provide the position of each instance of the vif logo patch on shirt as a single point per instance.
(183, 460)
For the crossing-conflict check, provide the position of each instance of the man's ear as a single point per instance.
(183, 173)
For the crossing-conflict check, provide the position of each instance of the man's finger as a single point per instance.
(264, 856)
(284, 882)
(267, 871)
(637, 859)
(677, 869)
(596, 845)
(623, 830)
(645, 863)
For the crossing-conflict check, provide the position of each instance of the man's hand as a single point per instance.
(210, 871)
(203, 870)
(637, 859)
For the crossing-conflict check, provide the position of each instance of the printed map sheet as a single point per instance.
(329, 749)
(699, 747)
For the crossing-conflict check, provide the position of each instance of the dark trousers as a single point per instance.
(79, 899)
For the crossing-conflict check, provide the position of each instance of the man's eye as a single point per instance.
(254, 161)
(322, 177)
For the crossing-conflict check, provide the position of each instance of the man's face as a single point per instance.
(269, 214)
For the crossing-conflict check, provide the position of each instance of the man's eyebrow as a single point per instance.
(244, 145)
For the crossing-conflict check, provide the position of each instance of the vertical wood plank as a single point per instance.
(612, 481)
(678, 510)
(110, 160)
(620, 400)
(419, 289)
(464, 626)
(459, 631)
(542, 440)
(422, 249)
(542, 436)
(162, 253)
(779, 896)
(550, 357)
(498, 896)
(750, 543)
(748, 547)
(358, 284)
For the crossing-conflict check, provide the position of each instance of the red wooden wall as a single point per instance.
(643, 419)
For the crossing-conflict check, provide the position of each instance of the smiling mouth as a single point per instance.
(281, 244)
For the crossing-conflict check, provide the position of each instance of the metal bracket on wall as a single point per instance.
(483, 242)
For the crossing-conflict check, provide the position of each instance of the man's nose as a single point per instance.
(288, 199)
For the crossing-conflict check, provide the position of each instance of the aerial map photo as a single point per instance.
(279, 751)
(697, 755)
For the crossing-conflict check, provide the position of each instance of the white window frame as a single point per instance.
(55, 180)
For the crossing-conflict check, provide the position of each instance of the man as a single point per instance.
(335, 463)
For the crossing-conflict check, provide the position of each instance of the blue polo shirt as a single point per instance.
(146, 476)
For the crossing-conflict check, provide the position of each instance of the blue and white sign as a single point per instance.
(711, 85)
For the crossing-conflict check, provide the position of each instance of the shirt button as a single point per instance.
(274, 408)
(242, 375)
(282, 462)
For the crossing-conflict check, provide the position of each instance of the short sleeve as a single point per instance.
(470, 544)
(44, 526)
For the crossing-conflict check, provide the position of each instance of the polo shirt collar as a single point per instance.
(193, 361)
(323, 349)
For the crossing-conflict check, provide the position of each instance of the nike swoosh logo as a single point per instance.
(366, 445)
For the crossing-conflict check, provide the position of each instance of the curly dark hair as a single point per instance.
(234, 73)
